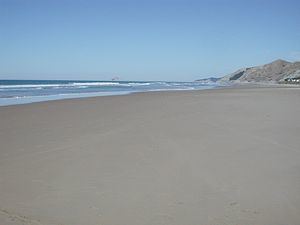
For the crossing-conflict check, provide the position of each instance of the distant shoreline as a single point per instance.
(276, 72)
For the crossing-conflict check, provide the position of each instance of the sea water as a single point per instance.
(28, 91)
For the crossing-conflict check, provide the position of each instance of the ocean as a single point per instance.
(27, 91)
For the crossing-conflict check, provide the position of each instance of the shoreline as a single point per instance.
(217, 156)
(47, 98)
(58, 97)
(22, 92)
(72, 96)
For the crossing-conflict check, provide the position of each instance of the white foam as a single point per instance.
(59, 85)
(70, 85)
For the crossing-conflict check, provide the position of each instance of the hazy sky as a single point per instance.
(143, 40)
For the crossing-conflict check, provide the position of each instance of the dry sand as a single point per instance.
(214, 157)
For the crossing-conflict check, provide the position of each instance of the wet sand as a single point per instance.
(212, 157)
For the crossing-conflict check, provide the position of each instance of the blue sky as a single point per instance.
(143, 40)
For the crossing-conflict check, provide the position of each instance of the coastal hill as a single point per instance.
(279, 71)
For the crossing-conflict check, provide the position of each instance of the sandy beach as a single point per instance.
(212, 157)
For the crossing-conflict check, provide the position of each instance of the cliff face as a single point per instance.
(279, 71)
